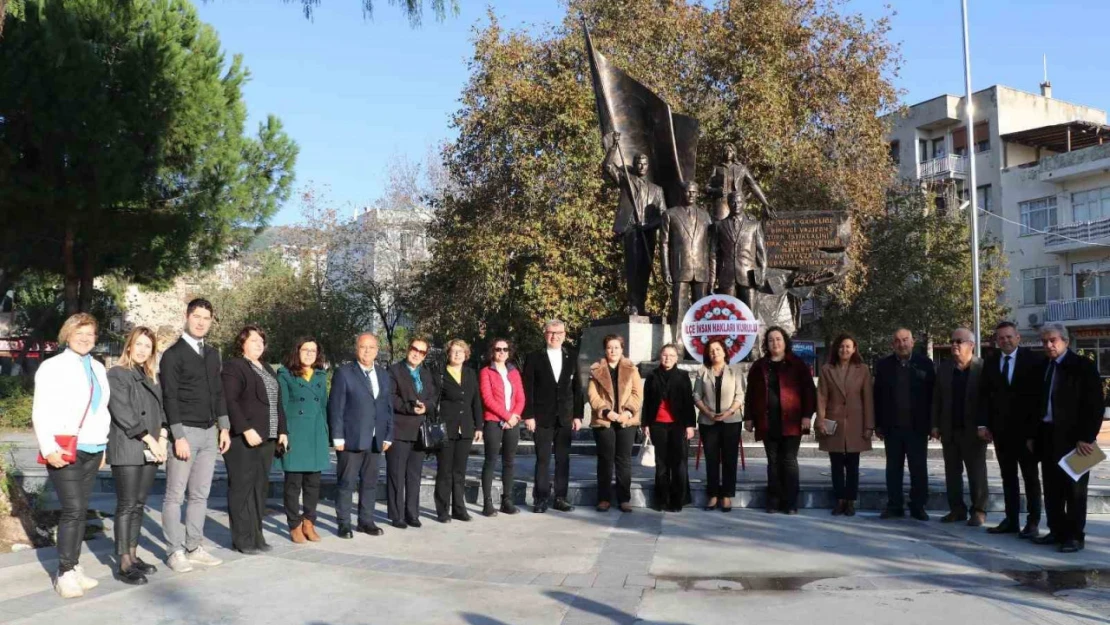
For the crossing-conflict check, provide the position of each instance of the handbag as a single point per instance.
(647, 453)
(67, 443)
(432, 435)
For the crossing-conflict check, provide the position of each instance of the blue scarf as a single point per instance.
(415, 373)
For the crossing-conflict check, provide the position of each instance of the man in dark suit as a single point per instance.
(196, 411)
(687, 254)
(1007, 415)
(553, 412)
(955, 424)
(1071, 410)
(903, 417)
(360, 418)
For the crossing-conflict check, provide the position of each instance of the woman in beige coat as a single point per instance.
(719, 396)
(615, 399)
(845, 419)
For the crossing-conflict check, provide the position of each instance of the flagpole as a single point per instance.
(969, 111)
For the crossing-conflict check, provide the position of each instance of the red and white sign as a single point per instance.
(720, 317)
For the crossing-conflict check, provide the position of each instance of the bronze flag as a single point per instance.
(646, 124)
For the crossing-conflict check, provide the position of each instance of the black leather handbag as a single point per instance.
(432, 435)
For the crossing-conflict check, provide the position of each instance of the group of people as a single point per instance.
(1035, 409)
(190, 407)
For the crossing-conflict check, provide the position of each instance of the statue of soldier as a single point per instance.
(687, 251)
(741, 255)
(730, 177)
(639, 214)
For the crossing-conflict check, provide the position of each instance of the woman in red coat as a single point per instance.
(503, 403)
(780, 402)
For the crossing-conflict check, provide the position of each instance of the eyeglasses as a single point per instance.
(422, 352)
(555, 333)
(501, 349)
(959, 341)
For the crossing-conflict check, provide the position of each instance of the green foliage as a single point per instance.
(413, 9)
(917, 271)
(122, 146)
(523, 232)
(286, 304)
(15, 412)
(40, 305)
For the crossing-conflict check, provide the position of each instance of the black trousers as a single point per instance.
(73, 484)
(403, 464)
(721, 442)
(451, 459)
(356, 470)
(504, 443)
(559, 436)
(133, 484)
(1013, 454)
(782, 471)
(963, 449)
(1065, 500)
(671, 457)
(295, 483)
(902, 446)
(614, 447)
(845, 475)
(248, 482)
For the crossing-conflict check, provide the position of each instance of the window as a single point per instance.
(1040, 285)
(895, 147)
(938, 148)
(1091, 205)
(1091, 280)
(982, 137)
(959, 141)
(1037, 215)
(983, 198)
(922, 151)
(1099, 349)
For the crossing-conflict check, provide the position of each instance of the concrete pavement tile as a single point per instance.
(549, 579)
(579, 580)
(639, 581)
(610, 579)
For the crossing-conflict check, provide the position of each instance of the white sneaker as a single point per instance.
(68, 585)
(87, 583)
(178, 563)
(202, 557)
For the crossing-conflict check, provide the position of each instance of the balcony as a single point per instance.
(1076, 236)
(943, 167)
(1089, 309)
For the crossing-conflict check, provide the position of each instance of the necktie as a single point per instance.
(1046, 395)
(200, 347)
(1006, 369)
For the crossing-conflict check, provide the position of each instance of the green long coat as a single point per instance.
(307, 420)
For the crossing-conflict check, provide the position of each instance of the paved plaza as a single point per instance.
(692, 568)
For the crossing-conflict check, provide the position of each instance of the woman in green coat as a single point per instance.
(304, 393)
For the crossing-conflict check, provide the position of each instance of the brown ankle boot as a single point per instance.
(310, 531)
(297, 534)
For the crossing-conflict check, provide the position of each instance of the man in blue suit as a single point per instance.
(360, 417)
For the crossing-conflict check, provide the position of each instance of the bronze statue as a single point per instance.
(687, 254)
(740, 262)
(639, 214)
(731, 177)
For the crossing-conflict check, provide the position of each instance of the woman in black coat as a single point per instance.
(669, 418)
(257, 432)
(136, 445)
(414, 399)
(460, 412)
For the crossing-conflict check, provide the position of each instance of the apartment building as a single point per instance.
(1043, 182)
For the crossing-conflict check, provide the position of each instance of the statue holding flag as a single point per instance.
(637, 124)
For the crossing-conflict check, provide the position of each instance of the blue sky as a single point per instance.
(354, 93)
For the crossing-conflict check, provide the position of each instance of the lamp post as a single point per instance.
(969, 111)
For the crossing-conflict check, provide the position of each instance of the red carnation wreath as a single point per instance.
(721, 310)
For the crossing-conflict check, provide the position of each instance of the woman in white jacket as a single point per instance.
(71, 398)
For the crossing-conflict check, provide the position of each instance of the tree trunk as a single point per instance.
(87, 275)
(71, 279)
(3, 12)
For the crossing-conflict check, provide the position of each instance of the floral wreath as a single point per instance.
(719, 310)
